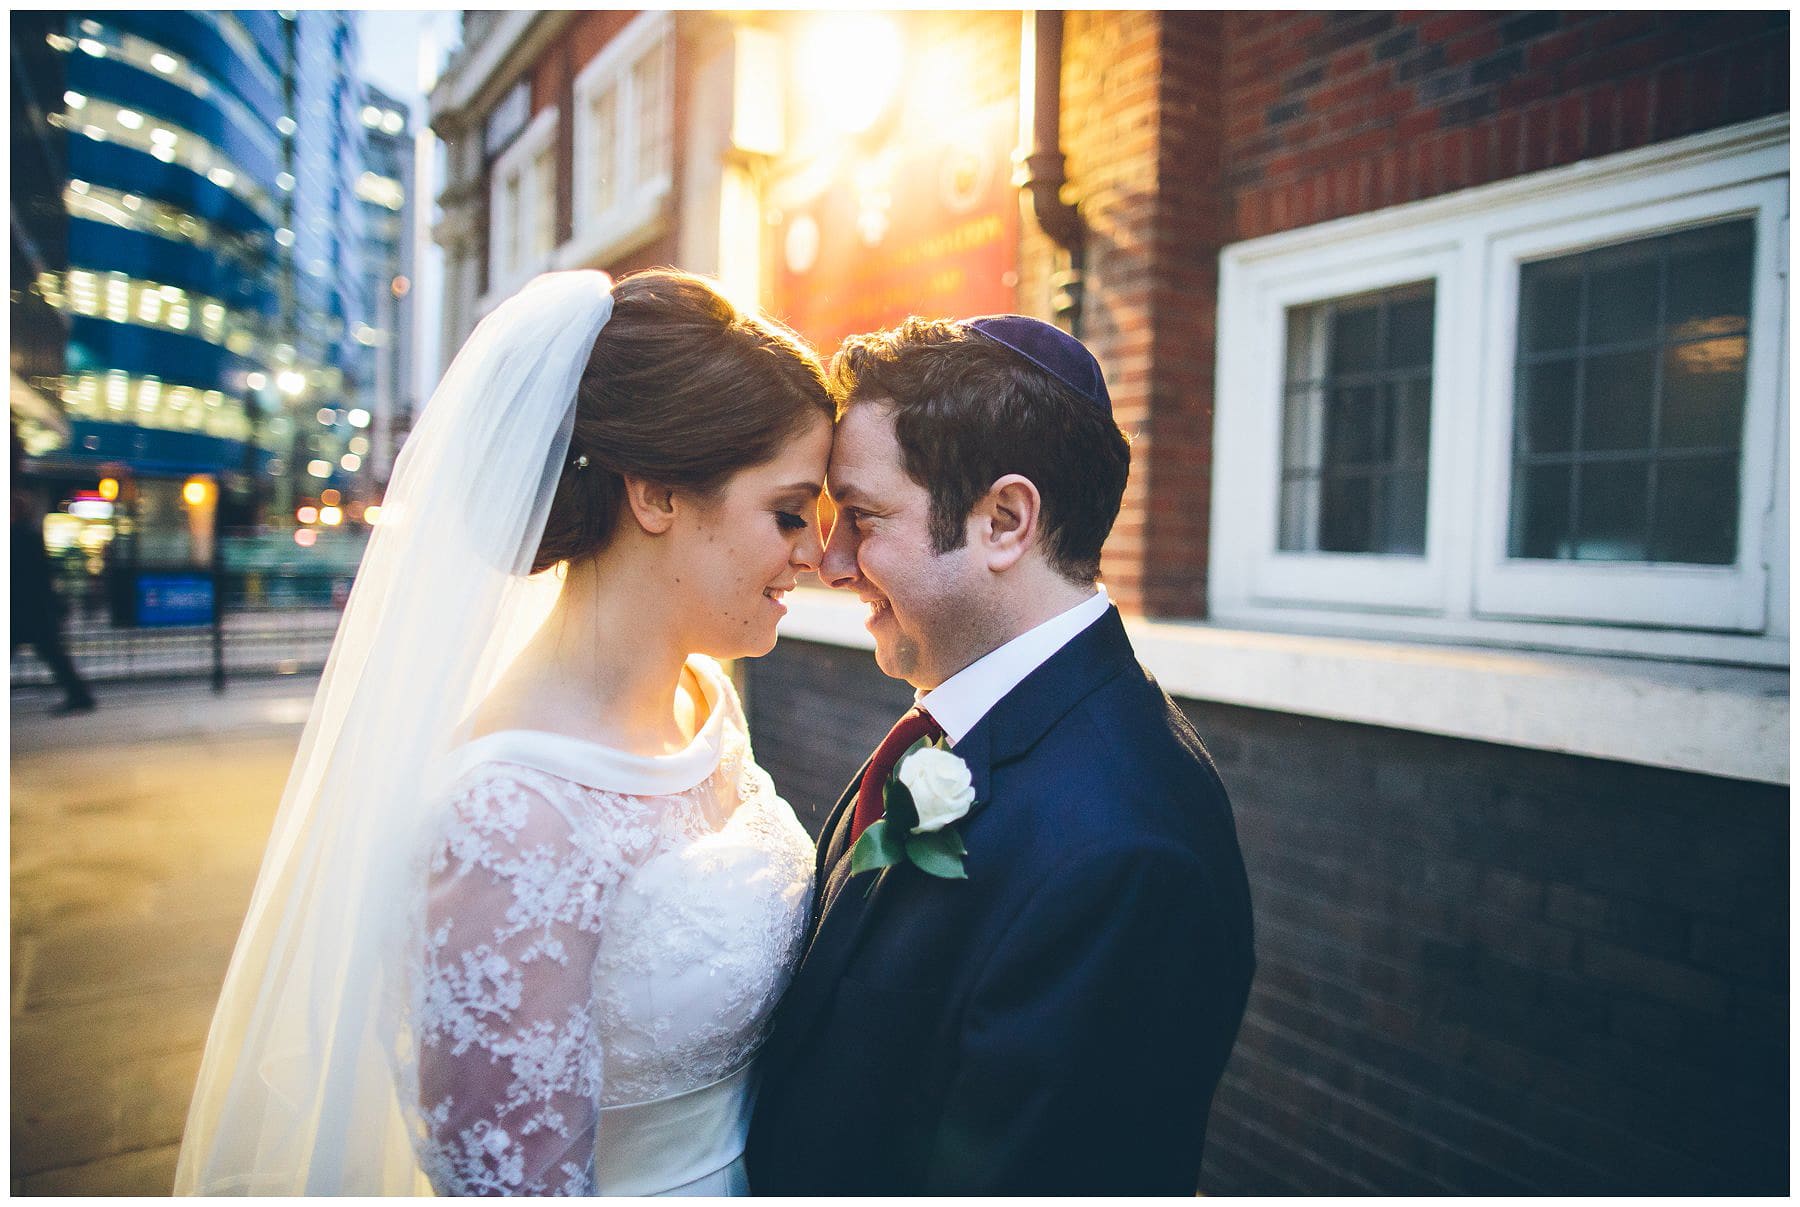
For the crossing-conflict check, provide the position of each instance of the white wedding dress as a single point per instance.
(605, 937)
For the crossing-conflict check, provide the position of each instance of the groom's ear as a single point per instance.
(1004, 524)
(652, 504)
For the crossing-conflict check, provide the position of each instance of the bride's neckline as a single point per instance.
(608, 768)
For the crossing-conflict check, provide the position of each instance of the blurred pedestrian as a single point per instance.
(36, 610)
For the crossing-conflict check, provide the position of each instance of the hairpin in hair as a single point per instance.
(580, 462)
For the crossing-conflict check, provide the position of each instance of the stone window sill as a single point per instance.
(1715, 720)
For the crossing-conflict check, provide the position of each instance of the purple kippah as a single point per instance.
(1056, 352)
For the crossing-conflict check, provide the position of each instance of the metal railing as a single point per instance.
(271, 622)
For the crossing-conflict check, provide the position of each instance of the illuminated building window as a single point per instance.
(100, 121)
(122, 299)
(380, 190)
(165, 64)
(624, 150)
(117, 397)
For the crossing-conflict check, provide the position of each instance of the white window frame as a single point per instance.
(1472, 244)
(638, 212)
(507, 229)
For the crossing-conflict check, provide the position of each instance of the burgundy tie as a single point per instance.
(869, 803)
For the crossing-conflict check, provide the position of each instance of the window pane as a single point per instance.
(1703, 394)
(1350, 432)
(1547, 398)
(1409, 422)
(1405, 515)
(1639, 396)
(1410, 322)
(1356, 427)
(603, 150)
(1622, 293)
(1305, 345)
(1353, 346)
(649, 79)
(513, 225)
(1346, 520)
(1696, 512)
(1540, 512)
(1300, 429)
(1612, 521)
(1618, 401)
(1299, 512)
(1550, 304)
(1709, 280)
(543, 190)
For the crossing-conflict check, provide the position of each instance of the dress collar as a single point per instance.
(603, 767)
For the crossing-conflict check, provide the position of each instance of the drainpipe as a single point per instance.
(1038, 163)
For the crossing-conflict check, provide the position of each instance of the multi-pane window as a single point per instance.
(1356, 430)
(1548, 411)
(1629, 411)
(624, 146)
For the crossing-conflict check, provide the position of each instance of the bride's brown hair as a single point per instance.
(683, 389)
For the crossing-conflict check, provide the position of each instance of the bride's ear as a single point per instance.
(652, 504)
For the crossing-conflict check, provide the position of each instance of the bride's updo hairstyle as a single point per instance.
(682, 389)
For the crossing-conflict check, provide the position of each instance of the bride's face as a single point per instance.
(744, 548)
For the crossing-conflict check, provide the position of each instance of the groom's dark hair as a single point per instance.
(968, 411)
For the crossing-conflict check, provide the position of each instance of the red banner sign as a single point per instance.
(927, 225)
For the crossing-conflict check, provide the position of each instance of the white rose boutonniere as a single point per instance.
(928, 792)
(941, 789)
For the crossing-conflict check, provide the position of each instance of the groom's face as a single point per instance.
(923, 609)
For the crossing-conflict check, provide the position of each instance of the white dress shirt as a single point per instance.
(959, 702)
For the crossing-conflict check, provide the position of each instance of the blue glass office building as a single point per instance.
(213, 264)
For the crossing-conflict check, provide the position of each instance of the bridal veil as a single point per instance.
(304, 1085)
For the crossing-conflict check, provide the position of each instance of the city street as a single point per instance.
(136, 835)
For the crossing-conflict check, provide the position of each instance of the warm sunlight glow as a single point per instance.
(850, 66)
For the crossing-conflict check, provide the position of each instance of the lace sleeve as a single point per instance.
(509, 1061)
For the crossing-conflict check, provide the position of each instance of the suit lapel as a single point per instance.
(1010, 728)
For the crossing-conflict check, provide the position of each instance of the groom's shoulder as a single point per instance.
(1120, 757)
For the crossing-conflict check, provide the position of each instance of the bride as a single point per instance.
(529, 902)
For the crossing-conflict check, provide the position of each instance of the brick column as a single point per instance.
(1141, 123)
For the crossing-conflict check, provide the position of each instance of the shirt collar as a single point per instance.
(959, 702)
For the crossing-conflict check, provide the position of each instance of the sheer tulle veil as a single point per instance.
(302, 1089)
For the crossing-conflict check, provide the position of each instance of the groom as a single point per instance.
(1037, 993)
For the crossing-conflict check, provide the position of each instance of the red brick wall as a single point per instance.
(1141, 130)
(1337, 113)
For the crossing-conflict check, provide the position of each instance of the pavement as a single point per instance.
(137, 831)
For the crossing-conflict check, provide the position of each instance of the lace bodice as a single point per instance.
(598, 930)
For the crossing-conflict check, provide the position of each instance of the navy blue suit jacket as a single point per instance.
(1054, 1024)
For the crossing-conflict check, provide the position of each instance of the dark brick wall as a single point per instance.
(1481, 969)
(1338, 113)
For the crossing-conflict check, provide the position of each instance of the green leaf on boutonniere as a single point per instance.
(897, 806)
(880, 846)
(938, 854)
